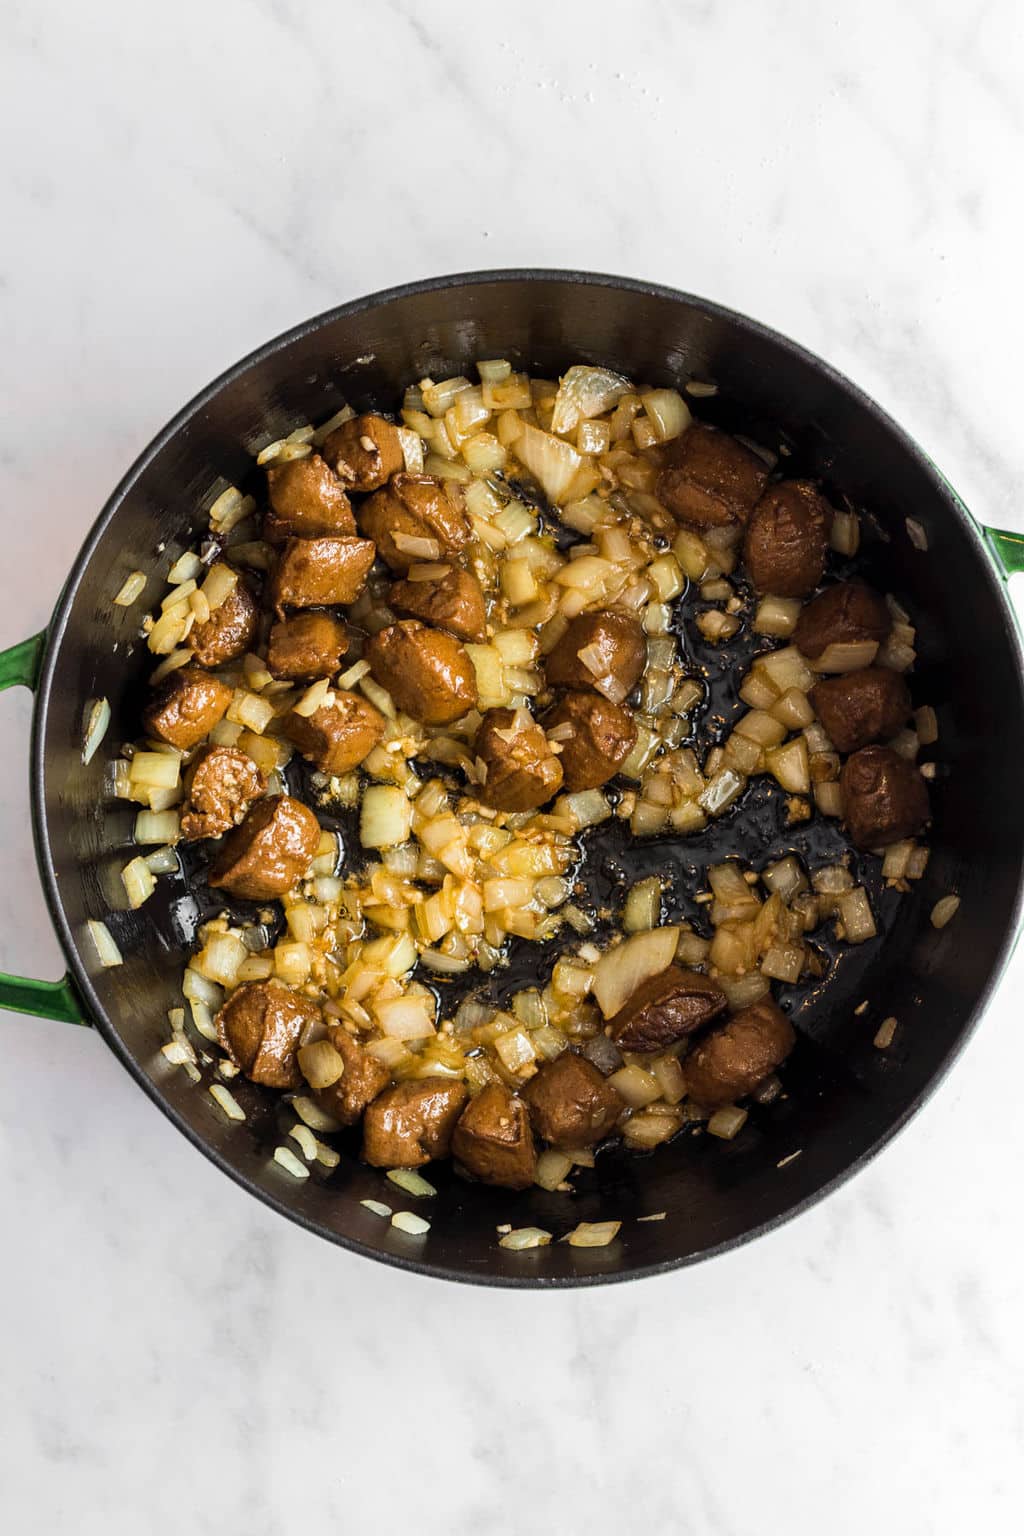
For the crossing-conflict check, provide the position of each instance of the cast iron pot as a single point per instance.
(845, 1099)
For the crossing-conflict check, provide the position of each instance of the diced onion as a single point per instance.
(107, 951)
(727, 1123)
(593, 1234)
(409, 1222)
(412, 1182)
(134, 586)
(226, 1101)
(944, 910)
(96, 725)
(290, 1163)
(139, 882)
(521, 1238)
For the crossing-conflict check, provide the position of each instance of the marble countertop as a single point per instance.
(181, 184)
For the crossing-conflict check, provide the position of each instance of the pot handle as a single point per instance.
(20, 664)
(1008, 549)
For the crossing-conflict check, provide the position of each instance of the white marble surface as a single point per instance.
(181, 183)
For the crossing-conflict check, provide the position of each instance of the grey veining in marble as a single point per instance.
(180, 183)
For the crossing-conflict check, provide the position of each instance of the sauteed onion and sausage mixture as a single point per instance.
(465, 629)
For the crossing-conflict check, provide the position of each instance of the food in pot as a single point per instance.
(786, 539)
(444, 596)
(339, 734)
(710, 479)
(314, 573)
(365, 452)
(595, 737)
(572, 620)
(884, 796)
(415, 518)
(426, 671)
(221, 784)
(307, 501)
(862, 707)
(411, 1123)
(733, 1058)
(518, 768)
(306, 646)
(269, 852)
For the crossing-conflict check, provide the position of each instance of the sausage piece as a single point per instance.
(415, 518)
(261, 1027)
(786, 539)
(427, 672)
(338, 735)
(885, 798)
(229, 631)
(571, 1103)
(307, 501)
(315, 573)
(220, 785)
(605, 652)
(595, 736)
(846, 614)
(409, 1124)
(454, 602)
(857, 708)
(306, 645)
(186, 707)
(665, 1008)
(363, 1079)
(521, 771)
(493, 1140)
(731, 1060)
(711, 479)
(269, 852)
(364, 452)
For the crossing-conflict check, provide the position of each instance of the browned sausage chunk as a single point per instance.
(416, 518)
(229, 631)
(315, 573)
(571, 1103)
(307, 645)
(426, 671)
(307, 501)
(605, 652)
(493, 1139)
(364, 452)
(884, 797)
(711, 480)
(186, 707)
(363, 1079)
(220, 785)
(409, 1124)
(521, 769)
(454, 602)
(857, 708)
(786, 539)
(269, 852)
(338, 735)
(847, 614)
(262, 1025)
(595, 736)
(731, 1060)
(665, 1008)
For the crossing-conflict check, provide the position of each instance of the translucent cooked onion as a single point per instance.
(593, 1234)
(584, 392)
(521, 1238)
(622, 969)
(96, 725)
(552, 462)
(320, 1064)
(226, 1101)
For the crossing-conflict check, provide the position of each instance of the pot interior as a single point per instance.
(843, 1096)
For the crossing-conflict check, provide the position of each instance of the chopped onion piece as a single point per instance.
(584, 392)
(916, 533)
(847, 656)
(133, 587)
(727, 1123)
(226, 1101)
(593, 1234)
(412, 1182)
(96, 725)
(886, 1033)
(409, 1222)
(139, 882)
(522, 1238)
(107, 951)
(622, 969)
(377, 1207)
(552, 462)
(316, 1118)
(288, 1161)
(944, 910)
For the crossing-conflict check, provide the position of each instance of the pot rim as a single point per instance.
(58, 625)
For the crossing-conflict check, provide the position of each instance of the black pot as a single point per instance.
(845, 1099)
